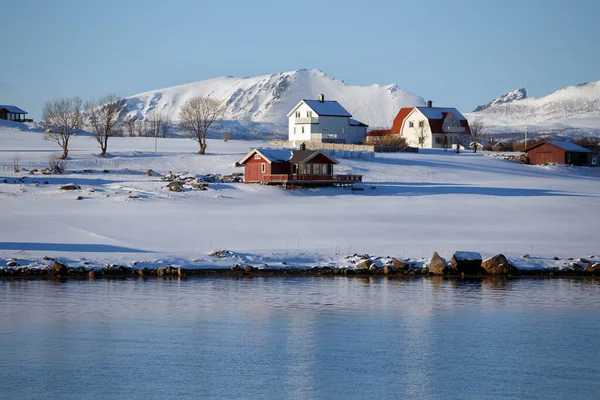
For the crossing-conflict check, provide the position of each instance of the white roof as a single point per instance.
(276, 154)
(438, 112)
(329, 108)
(568, 146)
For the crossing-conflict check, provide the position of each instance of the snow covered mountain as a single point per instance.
(264, 101)
(518, 94)
(572, 111)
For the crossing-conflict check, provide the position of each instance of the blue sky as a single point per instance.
(458, 53)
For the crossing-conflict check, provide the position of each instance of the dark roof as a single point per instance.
(354, 122)
(13, 109)
(566, 146)
(286, 155)
(329, 108)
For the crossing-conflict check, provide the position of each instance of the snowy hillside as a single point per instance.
(569, 110)
(518, 94)
(267, 99)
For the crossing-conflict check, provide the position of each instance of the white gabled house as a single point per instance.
(323, 121)
(432, 127)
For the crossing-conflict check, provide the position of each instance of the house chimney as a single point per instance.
(302, 146)
(321, 98)
(429, 103)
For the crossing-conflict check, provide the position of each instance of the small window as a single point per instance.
(294, 130)
(411, 124)
(342, 129)
(438, 140)
(421, 124)
(302, 129)
(309, 114)
(297, 114)
(257, 156)
(594, 160)
(263, 167)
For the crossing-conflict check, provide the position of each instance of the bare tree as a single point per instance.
(155, 124)
(166, 126)
(422, 134)
(129, 124)
(104, 119)
(61, 118)
(197, 115)
(477, 127)
(445, 143)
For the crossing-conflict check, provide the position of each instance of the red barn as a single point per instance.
(553, 151)
(293, 167)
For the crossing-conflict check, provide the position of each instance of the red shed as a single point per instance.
(293, 167)
(553, 151)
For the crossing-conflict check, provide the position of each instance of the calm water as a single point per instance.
(300, 338)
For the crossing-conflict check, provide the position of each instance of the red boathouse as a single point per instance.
(290, 167)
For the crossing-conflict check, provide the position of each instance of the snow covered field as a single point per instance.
(412, 205)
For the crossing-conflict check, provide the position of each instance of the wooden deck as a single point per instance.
(309, 180)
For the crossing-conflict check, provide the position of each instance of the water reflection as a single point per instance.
(334, 337)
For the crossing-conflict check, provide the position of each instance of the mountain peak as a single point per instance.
(518, 94)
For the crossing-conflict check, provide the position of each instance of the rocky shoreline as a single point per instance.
(462, 265)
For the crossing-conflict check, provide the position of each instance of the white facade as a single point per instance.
(306, 124)
(417, 125)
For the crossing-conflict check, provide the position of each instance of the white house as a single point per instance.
(432, 127)
(323, 121)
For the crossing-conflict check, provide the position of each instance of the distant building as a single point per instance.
(432, 127)
(323, 121)
(13, 113)
(553, 151)
(293, 167)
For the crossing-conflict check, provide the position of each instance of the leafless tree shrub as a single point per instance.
(16, 163)
(226, 136)
(60, 118)
(197, 115)
(477, 127)
(166, 126)
(156, 124)
(422, 134)
(129, 125)
(57, 164)
(388, 140)
(104, 119)
(445, 143)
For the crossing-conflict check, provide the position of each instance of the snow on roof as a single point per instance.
(354, 122)
(438, 112)
(13, 109)
(568, 146)
(327, 108)
(276, 155)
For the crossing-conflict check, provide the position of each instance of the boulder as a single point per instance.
(70, 186)
(175, 186)
(593, 267)
(466, 262)
(160, 271)
(497, 265)
(11, 264)
(365, 264)
(93, 274)
(399, 265)
(248, 268)
(59, 267)
(437, 265)
(143, 271)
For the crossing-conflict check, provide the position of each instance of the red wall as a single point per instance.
(546, 153)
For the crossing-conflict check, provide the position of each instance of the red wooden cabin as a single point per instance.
(293, 167)
(554, 151)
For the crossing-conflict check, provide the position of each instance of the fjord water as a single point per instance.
(300, 338)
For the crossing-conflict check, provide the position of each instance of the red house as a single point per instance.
(293, 168)
(554, 151)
